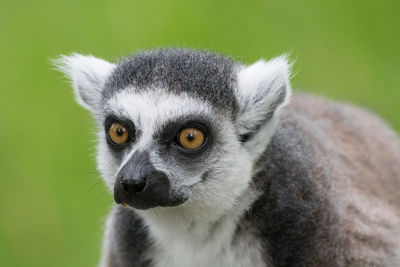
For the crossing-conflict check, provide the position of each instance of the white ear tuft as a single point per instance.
(263, 89)
(88, 75)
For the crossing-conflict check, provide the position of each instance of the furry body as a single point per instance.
(319, 205)
(309, 183)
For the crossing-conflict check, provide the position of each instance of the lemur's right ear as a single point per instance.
(88, 75)
(263, 88)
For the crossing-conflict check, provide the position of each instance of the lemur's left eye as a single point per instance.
(118, 133)
(191, 138)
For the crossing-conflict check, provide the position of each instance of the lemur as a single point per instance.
(214, 163)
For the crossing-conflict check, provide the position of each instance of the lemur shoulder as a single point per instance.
(214, 163)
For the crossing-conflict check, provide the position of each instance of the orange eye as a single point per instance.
(191, 138)
(118, 133)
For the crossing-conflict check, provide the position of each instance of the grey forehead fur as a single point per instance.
(200, 73)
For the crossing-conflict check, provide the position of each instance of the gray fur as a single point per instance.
(127, 242)
(299, 216)
(201, 73)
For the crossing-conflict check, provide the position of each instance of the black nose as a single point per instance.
(133, 185)
(141, 186)
(137, 180)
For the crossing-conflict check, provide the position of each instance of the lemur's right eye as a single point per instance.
(118, 133)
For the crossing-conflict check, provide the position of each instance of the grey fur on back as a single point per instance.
(321, 205)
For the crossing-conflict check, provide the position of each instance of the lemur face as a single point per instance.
(179, 127)
(177, 147)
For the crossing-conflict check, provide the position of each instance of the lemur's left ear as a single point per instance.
(263, 88)
(88, 75)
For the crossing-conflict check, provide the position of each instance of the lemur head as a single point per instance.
(179, 126)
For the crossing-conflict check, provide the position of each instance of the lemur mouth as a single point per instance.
(138, 204)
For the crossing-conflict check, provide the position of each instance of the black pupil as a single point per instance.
(120, 131)
(190, 137)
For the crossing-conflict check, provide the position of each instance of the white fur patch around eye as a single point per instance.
(87, 74)
(154, 107)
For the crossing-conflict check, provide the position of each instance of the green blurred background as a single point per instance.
(52, 201)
